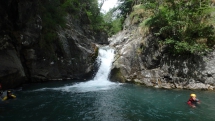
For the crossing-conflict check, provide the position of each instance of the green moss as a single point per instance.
(137, 83)
(116, 75)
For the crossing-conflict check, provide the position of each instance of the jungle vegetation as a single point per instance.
(54, 12)
(185, 26)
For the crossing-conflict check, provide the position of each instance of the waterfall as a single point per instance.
(100, 81)
(105, 58)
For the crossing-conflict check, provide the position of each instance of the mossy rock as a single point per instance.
(116, 75)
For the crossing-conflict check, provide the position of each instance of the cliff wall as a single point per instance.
(25, 56)
(141, 59)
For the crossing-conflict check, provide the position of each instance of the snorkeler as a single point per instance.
(193, 101)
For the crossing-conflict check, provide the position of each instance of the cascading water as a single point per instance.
(106, 56)
(100, 81)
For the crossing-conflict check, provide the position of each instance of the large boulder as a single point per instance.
(11, 71)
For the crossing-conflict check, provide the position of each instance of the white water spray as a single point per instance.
(100, 81)
(106, 56)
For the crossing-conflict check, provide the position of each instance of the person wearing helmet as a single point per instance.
(193, 100)
(9, 96)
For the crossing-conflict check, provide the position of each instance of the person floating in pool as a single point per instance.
(9, 96)
(193, 100)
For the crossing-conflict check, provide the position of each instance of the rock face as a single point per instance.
(140, 59)
(22, 59)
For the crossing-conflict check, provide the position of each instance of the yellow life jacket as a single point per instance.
(8, 97)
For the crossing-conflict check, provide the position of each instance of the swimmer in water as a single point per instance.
(193, 101)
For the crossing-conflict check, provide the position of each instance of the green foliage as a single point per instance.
(53, 14)
(95, 21)
(125, 7)
(112, 22)
(94, 15)
(71, 6)
(116, 26)
(185, 26)
(114, 18)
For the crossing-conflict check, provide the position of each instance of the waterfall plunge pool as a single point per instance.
(102, 100)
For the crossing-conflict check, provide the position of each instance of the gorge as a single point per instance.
(30, 52)
(59, 60)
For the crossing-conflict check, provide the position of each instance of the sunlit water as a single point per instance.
(102, 100)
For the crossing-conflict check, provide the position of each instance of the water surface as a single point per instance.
(119, 102)
(102, 100)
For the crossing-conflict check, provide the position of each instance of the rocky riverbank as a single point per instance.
(141, 59)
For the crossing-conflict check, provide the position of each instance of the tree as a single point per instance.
(125, 7)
